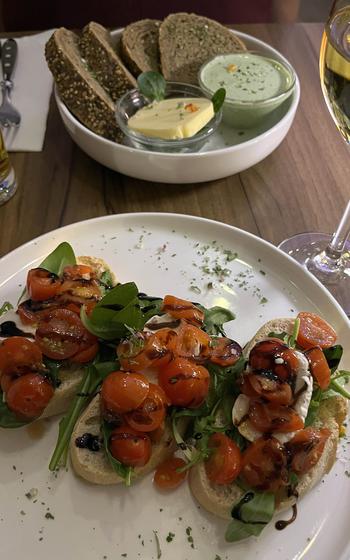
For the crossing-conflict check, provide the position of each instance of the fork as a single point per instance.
(9, 116)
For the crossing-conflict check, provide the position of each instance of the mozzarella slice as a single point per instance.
(301, 406)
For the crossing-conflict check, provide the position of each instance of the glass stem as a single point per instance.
(336, 247)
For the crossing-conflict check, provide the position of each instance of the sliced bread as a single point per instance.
(77, 88)
(104, 63)
(186, 41)
(139, 46)
(94, 466)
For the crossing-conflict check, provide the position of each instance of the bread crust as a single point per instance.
(140, 46)
(77, 88)
(332, 413)
(108, 69)
(186, 41)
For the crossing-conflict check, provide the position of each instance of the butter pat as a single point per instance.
(173, 119)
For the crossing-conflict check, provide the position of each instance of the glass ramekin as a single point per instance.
(134, 100)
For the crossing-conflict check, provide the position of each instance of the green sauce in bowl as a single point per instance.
(255, 85)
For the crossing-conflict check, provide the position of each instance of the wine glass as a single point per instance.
(328, 256)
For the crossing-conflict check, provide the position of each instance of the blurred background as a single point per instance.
(22, 15)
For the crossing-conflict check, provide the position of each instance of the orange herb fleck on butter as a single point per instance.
(191, 108)
(231, 68)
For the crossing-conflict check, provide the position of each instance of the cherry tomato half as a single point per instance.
(225, 460)
(18, 356)
(319, 366)
(306, 448)
(269, 418)
(183, 309)
(184, 383)
(42, 285)
(257, 385)
(167, 475)
(274, 355)
(61, 334)
(78, 272)
(143, 351)
(151, 412)
(29, 395)
(224, 351)
(315, 331)
(122, 392)
(192, 343)
(130, 447)
(264, 465)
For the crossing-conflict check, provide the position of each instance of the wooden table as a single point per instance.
(303, 186)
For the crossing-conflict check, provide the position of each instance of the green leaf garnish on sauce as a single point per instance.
(152, 85)
(250, 516)
(218, 99)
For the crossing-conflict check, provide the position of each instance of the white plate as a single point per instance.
(164, 253)
(226, 153)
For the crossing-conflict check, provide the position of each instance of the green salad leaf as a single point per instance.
(218, 99)
(62, 256)
(214, 319)
(152, 85)
(250, 516)
(122, 470)
(333, 356)
(93, 377)
(6, 306)
(120, 312)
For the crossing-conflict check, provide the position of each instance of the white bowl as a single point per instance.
(225, 154)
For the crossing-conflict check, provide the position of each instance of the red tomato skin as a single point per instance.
(130, 447)
(264, 465)
(42, 285)
(315, 331)
(29, 395)
(167, 476)
(224, 351)
(306, 447)
(18, 356)
(225, 462)
(269, 418)
(319, 367)
(122, 392)
(185, 383)
(183, 309)
(150, 414)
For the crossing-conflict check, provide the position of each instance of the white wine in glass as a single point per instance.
(328, 256)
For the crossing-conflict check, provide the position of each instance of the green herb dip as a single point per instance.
(246, 76)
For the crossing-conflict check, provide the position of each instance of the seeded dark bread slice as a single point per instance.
(186, 41)
(140, 46)
(102, 60)
(78, 89)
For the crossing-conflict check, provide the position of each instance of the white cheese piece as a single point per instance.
(173, 118)
(11, 315)
(301, 406)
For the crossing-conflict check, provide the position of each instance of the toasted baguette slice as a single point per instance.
(219, 500)
(103, 61)
(77, 87)
(186, 41)
(140, 46)
(94, 466)
(71, 376)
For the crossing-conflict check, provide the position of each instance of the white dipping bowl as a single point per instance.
(229, 151)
